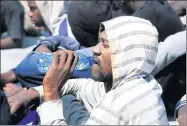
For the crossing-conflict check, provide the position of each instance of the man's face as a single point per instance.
(35, 15)
(102, 70)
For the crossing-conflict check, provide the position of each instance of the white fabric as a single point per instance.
(173, 47)
(135, 98)
(53, 13)
(54, 107)
(86, 90)
(10, 58)
(183, 19)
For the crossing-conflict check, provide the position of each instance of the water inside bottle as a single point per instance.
(45, 60)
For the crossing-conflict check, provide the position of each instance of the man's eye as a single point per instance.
(32, 9)
(105, 45)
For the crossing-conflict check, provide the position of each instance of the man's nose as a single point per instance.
(97, 50)
(30, 14)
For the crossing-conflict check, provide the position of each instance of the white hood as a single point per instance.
(134, 45)
(53, 12)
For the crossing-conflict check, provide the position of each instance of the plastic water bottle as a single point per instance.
(84, 63)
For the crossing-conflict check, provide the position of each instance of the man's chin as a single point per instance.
(97, 78)
(38, 27)
(101, 77)
(98, 75)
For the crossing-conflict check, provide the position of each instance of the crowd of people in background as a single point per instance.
(138, 70)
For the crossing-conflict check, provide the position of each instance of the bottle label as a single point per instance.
(45, 60)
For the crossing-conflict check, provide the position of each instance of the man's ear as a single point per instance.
(101, 29)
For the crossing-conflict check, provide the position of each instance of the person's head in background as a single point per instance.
(49, 14)
(35, 16)
(131, 6)
(85, 17)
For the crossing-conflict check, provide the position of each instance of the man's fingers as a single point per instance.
(74, 63)
(63, 57)
(8, 85)
(69, 61)
(55, 59)
(12, 110)
(13, 106)
(5, 88)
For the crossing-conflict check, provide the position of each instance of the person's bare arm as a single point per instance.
(8, 43)
(58, 74)
(8, 77)
(24, 98)
(43, 48)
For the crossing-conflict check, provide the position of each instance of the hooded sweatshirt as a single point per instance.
(135, 97)
(54, 14)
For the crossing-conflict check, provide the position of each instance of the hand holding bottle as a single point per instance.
(59, 72)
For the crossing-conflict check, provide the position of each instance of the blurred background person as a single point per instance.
(51, 15)
(12, 20)
(28, 28)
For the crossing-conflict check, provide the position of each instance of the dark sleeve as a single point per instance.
(13, 14)
(4, 109)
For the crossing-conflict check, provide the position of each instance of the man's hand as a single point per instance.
(59, 72)
(43, 48)
(11, 89)
(8, 77)
(9, 43)
(17, 101)
(23, 99)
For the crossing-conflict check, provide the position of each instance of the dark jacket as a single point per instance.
(162, 16)
(158, 12)
(4, 109)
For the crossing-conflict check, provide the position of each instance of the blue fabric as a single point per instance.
(32, 118)
(63, 30)
(74, 111)
(27, 72)
(29, 76)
